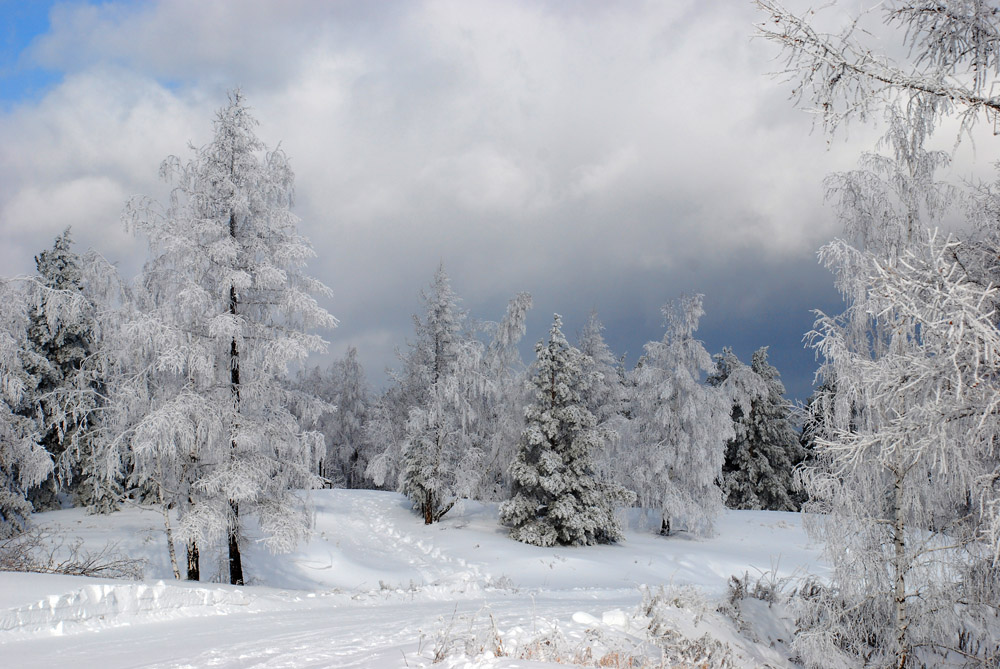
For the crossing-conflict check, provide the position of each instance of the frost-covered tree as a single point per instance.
(347, 446)
(680, 426)
(343, 387)
(604, 395)
(24, 462)
(446, 426)
(440, 460)
(951, 58)
(499, 414)
(904, 464)
(226, 308)
(757, 472)
(63, 405)
(907, 465)
(557, 496)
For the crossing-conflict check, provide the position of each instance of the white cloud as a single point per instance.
(604, 154)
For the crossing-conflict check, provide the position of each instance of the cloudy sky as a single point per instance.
(600, 155)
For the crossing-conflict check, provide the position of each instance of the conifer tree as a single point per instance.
(757, 472)
(23, 461)
(440, 462)
(227, 309)
(557, 497)
(679, 426)
(65, 412)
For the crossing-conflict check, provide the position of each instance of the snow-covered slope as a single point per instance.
(374, 587)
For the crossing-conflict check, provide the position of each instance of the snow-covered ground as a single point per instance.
(374, 587)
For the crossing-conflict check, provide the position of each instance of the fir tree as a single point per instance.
(757, 472)
(65, 409)
(557, 497)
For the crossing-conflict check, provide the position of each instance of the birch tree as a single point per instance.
(952, 59)
(908, 467)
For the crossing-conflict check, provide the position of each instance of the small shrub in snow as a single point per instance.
(660, 607)
(38, 551)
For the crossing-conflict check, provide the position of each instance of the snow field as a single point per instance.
(374, 587)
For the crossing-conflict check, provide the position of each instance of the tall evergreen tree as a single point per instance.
(557, 497)
(228, 309)
(65, 409)
(23, 461)
(757, 472)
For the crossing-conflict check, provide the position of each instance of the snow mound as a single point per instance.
(106, 605)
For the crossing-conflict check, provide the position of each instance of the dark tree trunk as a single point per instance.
(665, 527)
(428, 509)
(193, 568)
(235, 561)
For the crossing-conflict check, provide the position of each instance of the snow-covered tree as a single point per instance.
(604, 395)
(951, 58)
(557, 497)
(440, 460)
(24, 462)
(906, 470)
(343, 387)
(445, 428)
(757, 472)
(347, 446)
(226, 308)
(499, 414)
(680, 426)
(64, 409)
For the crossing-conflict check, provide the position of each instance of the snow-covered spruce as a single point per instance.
(557, 497)
(757, 472)
(63, 401)
(49, 379)
(222, 310)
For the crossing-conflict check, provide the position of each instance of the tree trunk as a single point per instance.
(193, 565)
(235, 561)
(428, 509)
(899, 544)
(665, 526)
(168, 529)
